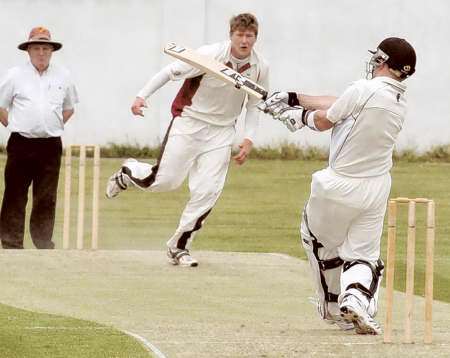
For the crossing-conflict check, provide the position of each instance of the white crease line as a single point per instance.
(283, 256)
(147, 344)
(394, 344)
(290, 341)
(67, 328)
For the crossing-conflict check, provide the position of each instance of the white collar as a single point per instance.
(391, 81)
(31, 66)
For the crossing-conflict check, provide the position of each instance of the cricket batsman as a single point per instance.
(342, 221)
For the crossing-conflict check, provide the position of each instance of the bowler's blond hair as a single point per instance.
(244, 22)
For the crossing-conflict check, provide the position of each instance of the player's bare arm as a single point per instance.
(315, 102)
(293, 115)
(4, 116)
(321, 122)
(279, 100)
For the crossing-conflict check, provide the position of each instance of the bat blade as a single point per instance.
(216, 69)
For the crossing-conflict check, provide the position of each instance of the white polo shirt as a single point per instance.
(369, 116)
(208, 99)
(35, 102)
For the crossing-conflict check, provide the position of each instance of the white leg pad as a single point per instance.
(363, 280)
(326, 269)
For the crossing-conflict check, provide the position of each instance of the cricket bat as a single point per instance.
(216, 69)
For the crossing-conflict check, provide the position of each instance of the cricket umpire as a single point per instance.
(36, 100)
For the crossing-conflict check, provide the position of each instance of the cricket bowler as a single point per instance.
(199, 139)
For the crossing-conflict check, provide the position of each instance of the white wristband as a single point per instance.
(310, 121)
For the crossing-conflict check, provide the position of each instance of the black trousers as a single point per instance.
(33, 161)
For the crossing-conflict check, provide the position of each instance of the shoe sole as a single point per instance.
(194, 264)
(361, 326)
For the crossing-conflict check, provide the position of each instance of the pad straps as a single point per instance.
(376, 274)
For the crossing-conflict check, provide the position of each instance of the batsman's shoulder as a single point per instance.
(356, 88)
(359, 83)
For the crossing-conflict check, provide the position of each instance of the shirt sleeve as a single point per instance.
(155, 83)
(71, 97)
(6, 90)
(345, 104)
(180, 70)
(251, 118)
(175, 71)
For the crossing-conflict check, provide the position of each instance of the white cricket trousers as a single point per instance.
(199, 151)
(347, 213)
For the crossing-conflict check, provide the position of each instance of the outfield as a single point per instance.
(258, 212)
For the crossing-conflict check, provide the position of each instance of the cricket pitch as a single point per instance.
(232, 305)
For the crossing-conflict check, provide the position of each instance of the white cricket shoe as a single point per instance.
(181, 257)
(329, 318)
(342, 324)
(119, 181)
(352, 310)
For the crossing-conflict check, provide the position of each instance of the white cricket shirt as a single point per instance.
(369, 116)
(35, 102)
(208, 99)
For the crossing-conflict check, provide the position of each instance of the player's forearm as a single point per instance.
(315, 102)
(155, 83)
(4, 116)
(321, 122)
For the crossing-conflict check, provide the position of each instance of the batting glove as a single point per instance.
(292, 117)
(278, 100)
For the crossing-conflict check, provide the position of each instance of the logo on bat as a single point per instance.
(238, 79)
(175, 48)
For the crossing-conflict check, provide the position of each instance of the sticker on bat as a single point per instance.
(239, 79)
(175, 48)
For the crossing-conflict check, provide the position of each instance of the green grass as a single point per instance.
(25, 334)
(259, 211)
(284, 151)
